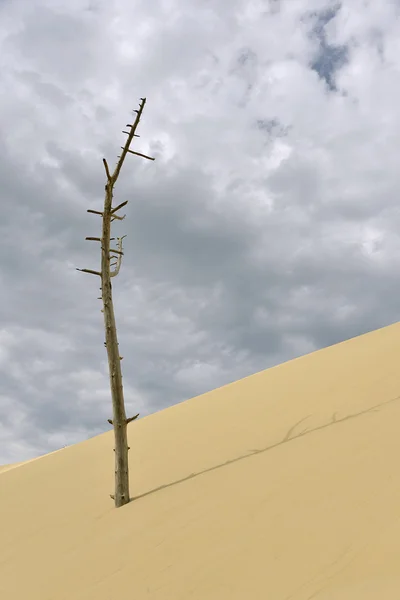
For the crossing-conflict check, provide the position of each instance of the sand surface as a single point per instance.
(281, 486)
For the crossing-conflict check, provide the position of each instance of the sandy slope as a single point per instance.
(4, 468)
(282, 486)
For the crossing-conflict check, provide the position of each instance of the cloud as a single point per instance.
(266, 227)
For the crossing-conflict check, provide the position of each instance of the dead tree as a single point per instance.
(109, 214)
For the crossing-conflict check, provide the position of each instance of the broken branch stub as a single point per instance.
(89, 271)
(142, 155)
(107, 169)
(127, 421)
(114, 210)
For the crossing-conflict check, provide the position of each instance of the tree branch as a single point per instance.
(119, 206)
(120, 254)
(140, 154)
(132, 418)
(129, 140)
(107, 170)
(89, 271)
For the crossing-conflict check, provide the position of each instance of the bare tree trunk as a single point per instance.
(121, 495)
(119, 420)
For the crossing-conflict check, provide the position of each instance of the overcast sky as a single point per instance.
(266, 228)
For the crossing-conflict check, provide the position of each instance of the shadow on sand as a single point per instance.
(288, 438)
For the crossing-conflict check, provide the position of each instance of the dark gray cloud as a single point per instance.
(328, 57)
(266, 228)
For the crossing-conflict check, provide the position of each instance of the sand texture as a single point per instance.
(281, 486)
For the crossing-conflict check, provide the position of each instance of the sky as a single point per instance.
(266, 228)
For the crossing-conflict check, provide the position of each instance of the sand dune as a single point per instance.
(282, 486)
(4, 468)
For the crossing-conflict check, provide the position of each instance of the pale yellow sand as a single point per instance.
(4, 468)
(281, 486)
